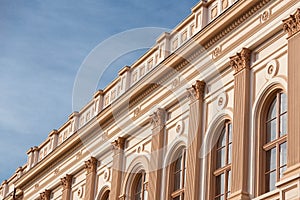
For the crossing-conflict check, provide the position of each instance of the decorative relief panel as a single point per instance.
(180, 127)
(265, 16)
(107, 174)
(216, 52)
(271, 69)
(221, 101)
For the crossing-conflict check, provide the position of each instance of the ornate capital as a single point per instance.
(91, 165)
(241, 60)
(196, 92)
(66, 182)
(119, 144)
(291, 25)
(158, 117)
(45, 195)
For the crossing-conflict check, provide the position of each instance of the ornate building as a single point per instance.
(202, 115)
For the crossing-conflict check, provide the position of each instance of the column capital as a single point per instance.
(91, 165)
(196, 92)
(119, 144)
(66, 181)
(158, 117)
(45, 195)
(241, 60)
(291, 25)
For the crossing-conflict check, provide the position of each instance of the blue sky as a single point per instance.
(42, 46)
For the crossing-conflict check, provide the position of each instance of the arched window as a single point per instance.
(139, 189)
(222, 171)
(105, 195)
(275, 141)
(178, 176)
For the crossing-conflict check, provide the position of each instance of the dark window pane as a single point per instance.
(283, 154)
(271, 130)
(229, 181)
(271, 160)
(283, 103)
(220, 184)
(222, 139)
(229, 153)
(221, 158)
(270, 181)
(139, 185)
(282, 170)
(272, 110)
(283, 124)
(178, 164)
(177, 180)
(230, 132)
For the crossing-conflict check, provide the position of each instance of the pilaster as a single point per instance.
(196, 94)
(292, 27)
(66, 183)
(157, 142)
(91, 167)
(240, 136)
(117, 169)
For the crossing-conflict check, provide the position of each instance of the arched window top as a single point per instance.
(139, 190)
(105, 196)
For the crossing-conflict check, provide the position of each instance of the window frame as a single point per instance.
(144, 187)
(263, 145)
(226, 169)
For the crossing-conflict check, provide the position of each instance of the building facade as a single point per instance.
(210, 112)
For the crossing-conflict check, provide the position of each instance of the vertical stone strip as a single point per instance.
(240, 136)
(45, 195)
(157, 143)
(117, 169)
(292, 27)
(91, 170)
(192, 187)
(66, 183)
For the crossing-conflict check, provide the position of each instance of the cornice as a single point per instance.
(232, 25)
(291, 25)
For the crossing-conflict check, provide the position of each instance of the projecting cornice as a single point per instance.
(291, 25)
